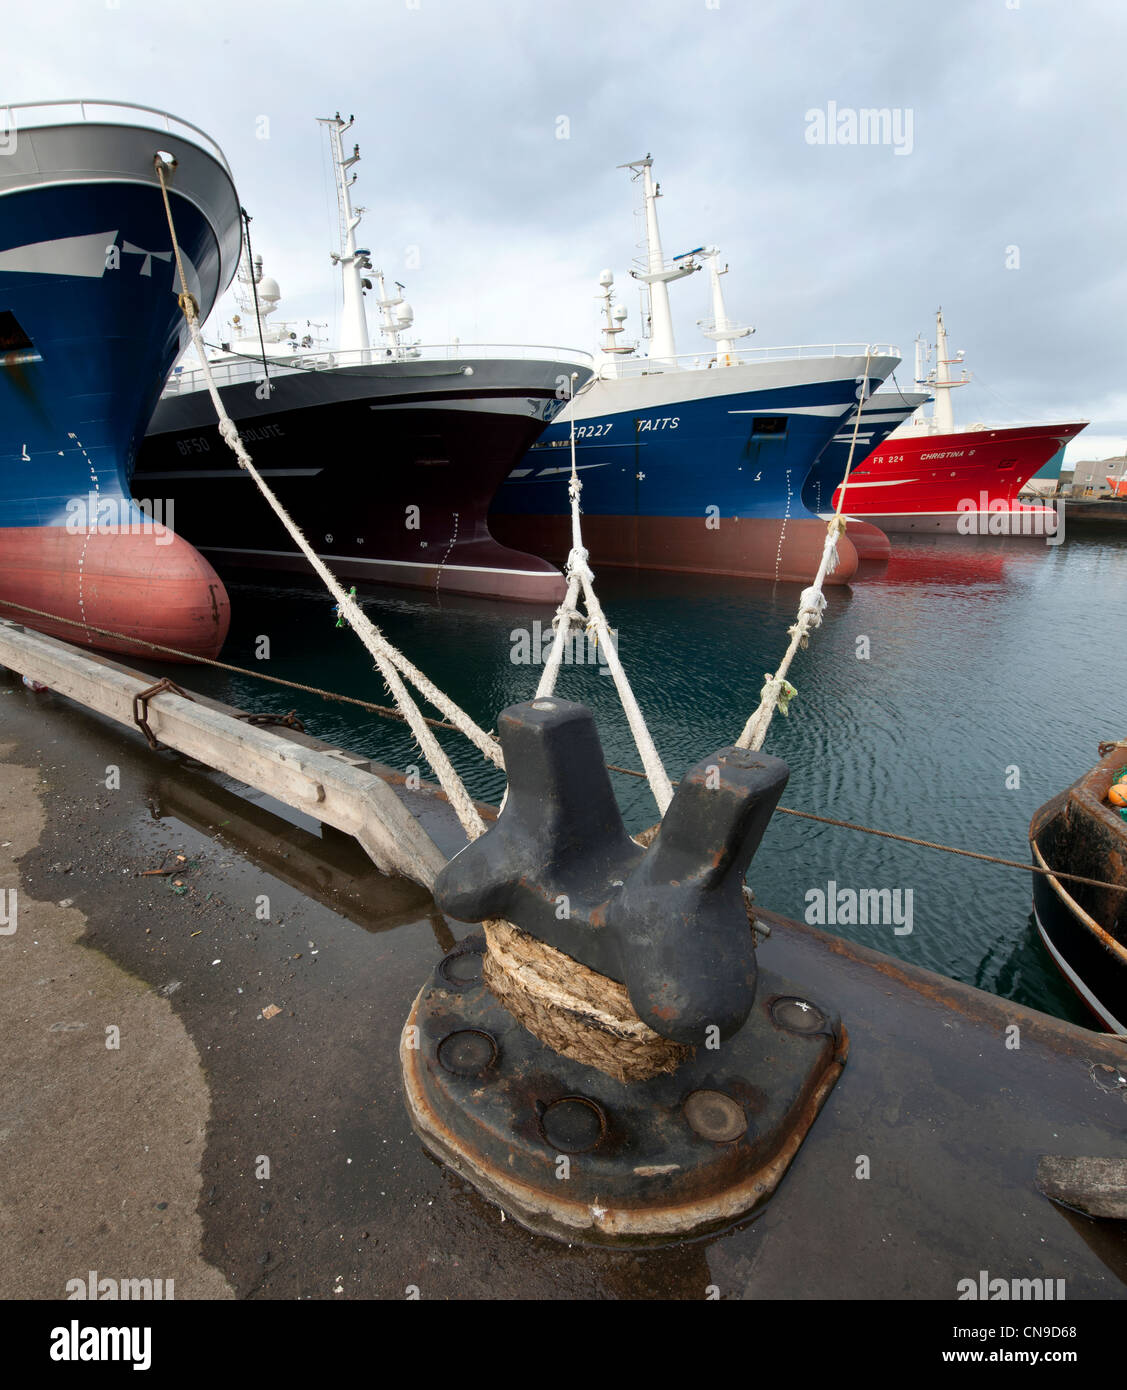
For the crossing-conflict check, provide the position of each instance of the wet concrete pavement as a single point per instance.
(282, 1147)
(101, 1144)
(349, 1207)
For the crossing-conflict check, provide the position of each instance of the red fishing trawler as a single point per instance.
(930, 476)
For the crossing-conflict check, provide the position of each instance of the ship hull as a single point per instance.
(693, 471)
(953, 482)
(848, 449)
(90, 327)
(151, 588)
(1083, 927)
(388, 467)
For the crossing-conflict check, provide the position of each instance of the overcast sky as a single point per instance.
(1000, 197)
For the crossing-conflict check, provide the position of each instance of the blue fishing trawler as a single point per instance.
(90, 325)
(692, 462)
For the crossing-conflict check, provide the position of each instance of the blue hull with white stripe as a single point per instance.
(90, 326)
(701, 471)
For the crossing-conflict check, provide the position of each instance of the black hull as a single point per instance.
(1083, 928)
(388, 471)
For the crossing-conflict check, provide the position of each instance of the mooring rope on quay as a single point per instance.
(392, 664)
(618, 986)
(387, 712)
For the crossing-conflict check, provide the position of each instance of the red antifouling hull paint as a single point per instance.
(153, 586)
(745, 547)
(869, 541)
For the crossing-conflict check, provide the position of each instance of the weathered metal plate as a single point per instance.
(571, 1152)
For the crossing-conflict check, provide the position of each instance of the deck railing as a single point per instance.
(243, 367)
(645, 366)
(123, 113)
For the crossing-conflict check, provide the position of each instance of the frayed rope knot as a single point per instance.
(568, 617)
(777, 690)
(577, 566)
(811, 606)
(812, 602)
(835, 530)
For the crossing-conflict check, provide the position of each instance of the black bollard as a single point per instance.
(668, 922)
(651, 1083)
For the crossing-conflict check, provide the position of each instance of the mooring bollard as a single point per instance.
(602, 1060)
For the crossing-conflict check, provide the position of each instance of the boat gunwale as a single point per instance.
(1085, 918)
(1087, 794)
(207, 143)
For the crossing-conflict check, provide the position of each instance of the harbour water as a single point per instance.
(947, 695)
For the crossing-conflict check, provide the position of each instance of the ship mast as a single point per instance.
(354, 324)
(656, 276)
(720, 328)
(615, 316)
(920, 418)
(943, 415)
(396, 316)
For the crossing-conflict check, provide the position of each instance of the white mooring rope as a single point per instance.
(568, 617)
(777, 691)
(387, 657)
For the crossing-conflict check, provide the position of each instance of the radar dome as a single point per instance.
(606, 278)
(268, 289)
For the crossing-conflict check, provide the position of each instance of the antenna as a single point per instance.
(719, 328)
(615, 316)
(940, 381)
(396, 316)
(354, 323)
(657, 275)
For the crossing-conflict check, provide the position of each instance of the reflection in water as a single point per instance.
(323, 864)
(978, 672)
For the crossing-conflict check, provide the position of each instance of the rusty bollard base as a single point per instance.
(570, 1152)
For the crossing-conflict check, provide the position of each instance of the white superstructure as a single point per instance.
(720, 328)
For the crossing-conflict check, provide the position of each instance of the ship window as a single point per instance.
(769, 424)
(15, 345)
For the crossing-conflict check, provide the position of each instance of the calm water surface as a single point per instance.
(990, 659)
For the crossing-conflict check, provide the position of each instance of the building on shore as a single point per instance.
(1087, 478)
